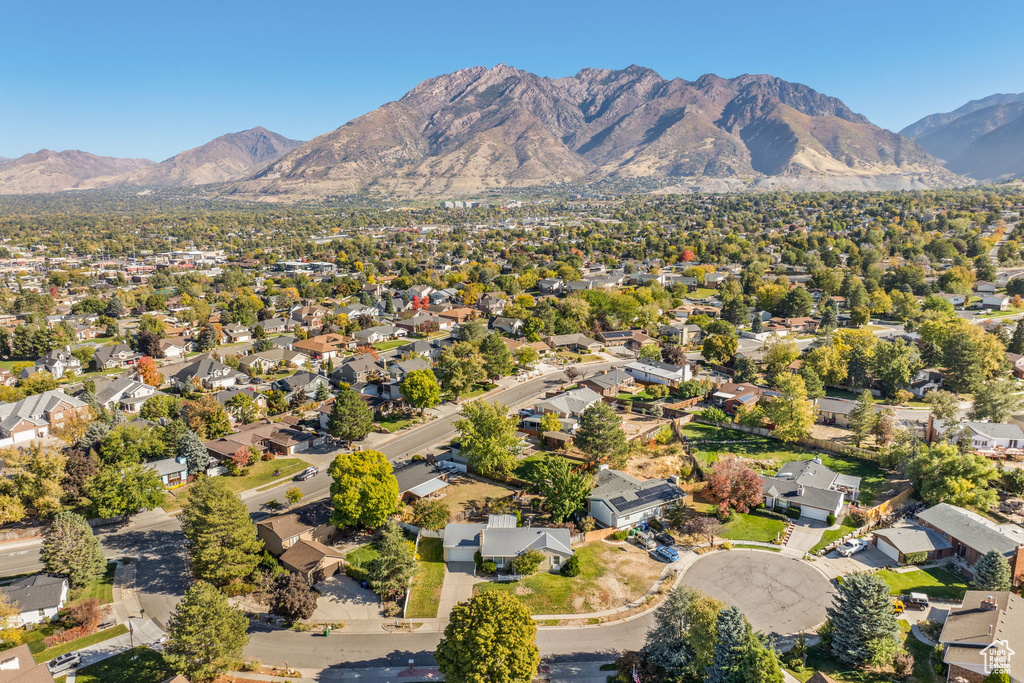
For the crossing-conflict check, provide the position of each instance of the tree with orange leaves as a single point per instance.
(146, 368)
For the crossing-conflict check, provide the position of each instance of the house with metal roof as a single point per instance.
(501, 541)
(620, 500)
(811, 487)
(419, 480)
(972, 535)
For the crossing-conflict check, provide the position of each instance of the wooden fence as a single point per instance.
(595, 535)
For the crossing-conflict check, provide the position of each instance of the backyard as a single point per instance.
(611, 575)
(426, 584)
(818, 659)
(470, 495)
(764, 449)
(935, 582)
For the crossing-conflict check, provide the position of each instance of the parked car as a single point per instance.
(667, 554)
(645, 540)
(665, 538)
(854, 545)
(915, 600)
(308, 473)
(65, 662)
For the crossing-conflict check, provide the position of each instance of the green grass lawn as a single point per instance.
(388, 345)
(102, 588)
(478, 390)
(259, 474)
(527, 467)
(426, 585)
(701, 293)
(750, 527)
(56, 650)
(741, 546)
(934, 582)
(394, 424)
(832, 392)
(147, 667)
(831, 535)
(873, 481)
(362, 556)
(545, 593)
(590, 358)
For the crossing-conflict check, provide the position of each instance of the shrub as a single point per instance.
(620, 535)
(726, 545)
(793, 512)
(85, 614)
(66, 636)
(831, 519)
(528, 562)
(236, 588)
(857, 517)
(571, 567)
(915, 558)
(478, 559)
(715, 415)
(488, 567)
(903, 664)
(391, 609)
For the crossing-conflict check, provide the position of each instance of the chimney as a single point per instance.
(799, 489)
(988, 605)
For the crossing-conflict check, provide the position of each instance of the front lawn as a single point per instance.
(934, 582)
(426, 584)
(257, 475)
(394, 424)
(388, 345)
(140, 665)
(477, 390)
(102, 588)
(362, 556)
(57, 650)
(752, 527)
(830, 535)
(610, 576)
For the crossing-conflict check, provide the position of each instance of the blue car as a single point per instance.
(667, 554)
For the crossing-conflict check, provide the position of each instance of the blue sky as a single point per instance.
(150, 79)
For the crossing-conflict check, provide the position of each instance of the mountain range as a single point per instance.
(227, 157)
(484, 128)
(983, 139)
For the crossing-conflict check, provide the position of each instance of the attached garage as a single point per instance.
(887, 548)
(899, 542)
(814, 513)
(459, 554)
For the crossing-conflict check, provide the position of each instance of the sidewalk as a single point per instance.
(145, 632)
(563, 672)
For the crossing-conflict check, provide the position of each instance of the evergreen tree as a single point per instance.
(757, 325)
(497, 358)
(219, 534)
(71, 548)
(208, 338)
(863, 417)
(734, 310)
(815, 387)
(1016, 344)
(862, 619)
(730, 640)
(491, 638)
(829, 319)
(192, 450)
(600, 433)
(350, 418)
(394, 565)
(992, 572)
(206, 635)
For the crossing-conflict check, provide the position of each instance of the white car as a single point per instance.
(854, 545)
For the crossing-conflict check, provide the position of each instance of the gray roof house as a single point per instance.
(210, 373)
(569, 403)
(500, 541)
(621, 500)
(125, 394)
(172, 471)
(114, 356)
(399, 370)
(972, 535)
(899, 542)
(39, 596)
(986, 627)
(809, 485)
(419, 480)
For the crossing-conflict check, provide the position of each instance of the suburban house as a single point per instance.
(39, 597)
(992, 439)
(995, 302)
(510, 326)
(34, 416)
(114, 356)
(578, 343)
(378, 334)
(235, 333)
(273, 325)
(982, 287)
(308, 523)
(301, 386)
(550, 285)
(310, 316)
(312, 559)
(610, 383)
(18, 665)
(899, 542)
(982, 634)
(569, 403)
(208, 373)
(492, 303)
(926, 380)
(58, 363)
(732, 395)
(971, 536)
(126, 395)
(324, 346)
(265, 361)
(836, 411)
(359, 369)
(620, 500)
(1016, 364)
(657, 372)
(500, 541)
(420, 480)
(810, 486)
(632, 339)
(266, 437)
(172, 471)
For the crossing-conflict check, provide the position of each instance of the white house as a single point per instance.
(620, 500)
(995, 302)
(984, 436)
(657, 372)
(39, 597)
(815, 489)
(500, 541)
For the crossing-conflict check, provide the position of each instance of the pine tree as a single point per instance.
(206, 635)
(730, 640)
(757, 325)
(815, 387)
(71, 548)
(191, 448)
(829, 319)
(992, 572)
(497, 358)
(600, 433)
(220, 536)
(394, 566)
(350, 418)
(862, 619)
(1016, 344)
(863, 417)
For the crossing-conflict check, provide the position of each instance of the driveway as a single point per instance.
(342, 599)
(458, 587)
(869, 559)
(806, 534)
(778, 594)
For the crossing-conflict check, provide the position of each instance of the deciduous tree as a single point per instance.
(790, 411)
(293, 597)
(996, 400)
(364, 491)
(564, 491)
(489, 638)
(733, 485)
(600, 434)
(489, 437)
(461, 367)
(430, 514)
(421, 390)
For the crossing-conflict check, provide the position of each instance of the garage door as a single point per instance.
(461, 554)
(813, 513)
(889, 550)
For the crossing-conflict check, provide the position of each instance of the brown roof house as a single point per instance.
(982, 635)
(313, 560)
(18, 666)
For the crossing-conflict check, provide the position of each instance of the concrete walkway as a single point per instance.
(458, 587)
(563, 672)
